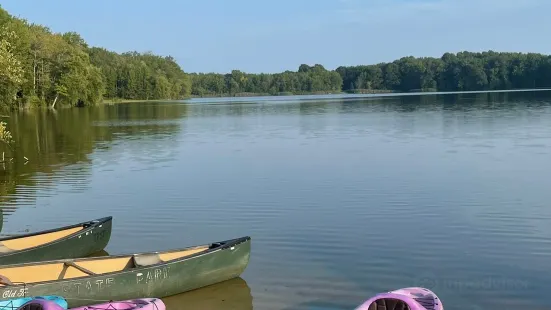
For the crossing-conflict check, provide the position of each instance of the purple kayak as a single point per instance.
(410, 298)
(143, 304)
(41, 304)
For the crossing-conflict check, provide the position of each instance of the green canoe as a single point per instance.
(73, 241)
(92, 280)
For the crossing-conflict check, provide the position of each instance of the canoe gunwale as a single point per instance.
(91, 225)
(226, 245)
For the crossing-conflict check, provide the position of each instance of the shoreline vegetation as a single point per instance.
(40, 68)
(110, 101)
(250, 95)
(463, 71)
(295, 93)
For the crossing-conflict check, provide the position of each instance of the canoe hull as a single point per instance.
(161, 280)
(88, 241)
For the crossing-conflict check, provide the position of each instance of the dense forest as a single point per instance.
(463, 71)
(39, 67)
(308, 79)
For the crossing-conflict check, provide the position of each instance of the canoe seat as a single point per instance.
(5, 249)
(5, 281)
(143, 260)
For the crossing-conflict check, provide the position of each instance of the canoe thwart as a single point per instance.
(72, 264)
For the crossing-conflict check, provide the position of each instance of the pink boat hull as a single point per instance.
(142, 304)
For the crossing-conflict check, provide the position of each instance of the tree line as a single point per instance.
(39, 67)
(307, 80)
(464, 71)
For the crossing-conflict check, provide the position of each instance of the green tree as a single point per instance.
(11, 69)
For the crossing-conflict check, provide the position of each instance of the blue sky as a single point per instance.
(277, 35)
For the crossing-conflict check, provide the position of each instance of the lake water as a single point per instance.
(343, 197)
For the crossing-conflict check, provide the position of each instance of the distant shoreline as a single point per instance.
(347, 94)
(359, 91)
(118, 101)
(373, 94)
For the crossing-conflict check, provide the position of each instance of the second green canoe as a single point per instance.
(121, 277)
(73, 241)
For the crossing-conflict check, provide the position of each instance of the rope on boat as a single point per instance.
(9, 306)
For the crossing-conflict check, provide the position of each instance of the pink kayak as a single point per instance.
(143, 304)
(410, 298)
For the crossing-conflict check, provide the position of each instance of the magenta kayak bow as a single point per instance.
(142, 304)
(410, 298)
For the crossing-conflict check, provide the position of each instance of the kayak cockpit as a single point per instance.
(388, 304)
(23, 243)
(69, 269)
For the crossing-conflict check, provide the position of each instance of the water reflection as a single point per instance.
(360, 195)
(59, 145)
(231, 294)
(404, 104)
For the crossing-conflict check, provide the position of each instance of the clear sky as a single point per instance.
(277, 35)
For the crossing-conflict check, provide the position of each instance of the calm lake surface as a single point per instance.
(343, 197)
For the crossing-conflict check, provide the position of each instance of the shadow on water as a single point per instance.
(231, 294)
(54, 140)
(321, 305)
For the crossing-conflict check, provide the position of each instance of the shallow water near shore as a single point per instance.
(343, 197)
